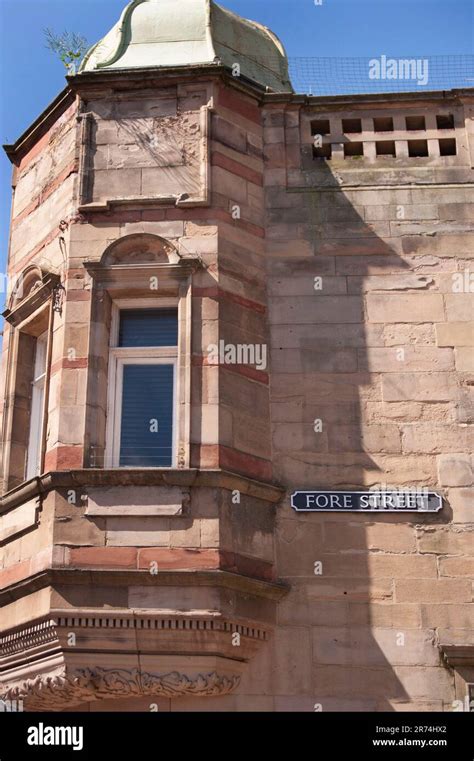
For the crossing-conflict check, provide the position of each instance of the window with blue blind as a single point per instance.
(146, 436)
(148, 327)
(144, 367)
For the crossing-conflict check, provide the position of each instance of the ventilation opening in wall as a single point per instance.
(417, 148)
(383, 124)
(353, 150)
(445, 121)
(415, 122)
(385, 147)
(351, 125)
(323, 152)
(447, 146)
(320, 127)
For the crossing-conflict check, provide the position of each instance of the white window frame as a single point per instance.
(129, 355)
(38, 394)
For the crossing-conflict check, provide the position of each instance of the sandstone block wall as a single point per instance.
(44, 188)
(352, 267)
(371, 321)
(237, 190)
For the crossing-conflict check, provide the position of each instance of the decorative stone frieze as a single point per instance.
(52, 693)
(38, 663)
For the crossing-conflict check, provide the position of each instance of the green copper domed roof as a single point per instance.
(153, 33)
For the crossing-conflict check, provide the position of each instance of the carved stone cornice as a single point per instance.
(186, 477)
(35, 635)
(45, 631)
(457, 655)
(136, 275)
(47, 693)
(35, 299)
(219, 579)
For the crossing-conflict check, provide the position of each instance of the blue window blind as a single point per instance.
(148, 327)
(147, 397)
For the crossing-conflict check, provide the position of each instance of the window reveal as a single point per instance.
(143, 405)
(33, 460)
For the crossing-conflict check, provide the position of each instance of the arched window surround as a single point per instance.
(137, 271)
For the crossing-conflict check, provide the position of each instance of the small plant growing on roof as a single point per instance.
(68, 46)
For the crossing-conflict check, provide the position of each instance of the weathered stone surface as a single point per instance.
(460, 307)
(455, 334)
(433, 591)
(359, 646)
(399, 617)
(444, 541)
(462, 505)
(426, 387)
(456, 567)
(448, 616)
(405, 307)
(408, 358)
(455, 469)
(344, 270)
(406, 281)
(432, 438)
(464, 359)
(325, 309)
(408, 335)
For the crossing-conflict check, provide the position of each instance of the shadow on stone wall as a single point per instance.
(346, 616)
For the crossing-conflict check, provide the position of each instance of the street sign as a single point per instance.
(408, 501)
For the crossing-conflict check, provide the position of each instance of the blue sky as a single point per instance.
(30, 76)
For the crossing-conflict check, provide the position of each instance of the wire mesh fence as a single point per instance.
(350, 76)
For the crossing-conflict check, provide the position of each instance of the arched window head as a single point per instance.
(140, 248)
(24, 284)
(31, 289)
